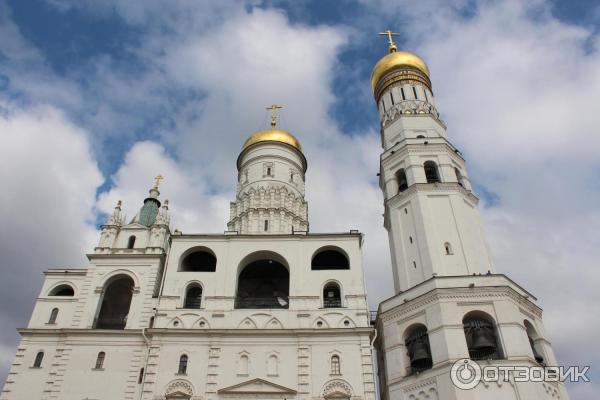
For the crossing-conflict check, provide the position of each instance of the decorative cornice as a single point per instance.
(428, 188)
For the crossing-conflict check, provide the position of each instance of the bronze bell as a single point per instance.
(483, 340)
(538, 357)
(420, 358)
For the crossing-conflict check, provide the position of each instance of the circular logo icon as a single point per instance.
(465, 374)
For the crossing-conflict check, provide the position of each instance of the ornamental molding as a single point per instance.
(420, 385)
(337, 388)
(418, 148)
(409, 108)
(399, 199)
(405, 75)
(179, 386)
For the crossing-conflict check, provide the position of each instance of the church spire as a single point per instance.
(149, 211)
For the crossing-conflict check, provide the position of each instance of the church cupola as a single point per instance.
(270, 195)
(149, 211)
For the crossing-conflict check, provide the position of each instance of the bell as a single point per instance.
(538, 357)
(420, 358)
(483, 340)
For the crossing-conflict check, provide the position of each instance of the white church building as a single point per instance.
(268, 309)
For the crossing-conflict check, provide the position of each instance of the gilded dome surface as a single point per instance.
(397, 59)
(273, 135)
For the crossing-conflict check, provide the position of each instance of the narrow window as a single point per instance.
(448, 248)
(426, 98)
(151, 324)
(272, 365)
(268, 171)
(243, 365)
(131, 242)
(53, 316)
(141, 376)
(331, 296)
(266, 225)
(415, 92)
(183, 363)
(402, 181)
(38, 360)
(100, 360)
(193, 297)
(335, 365)
(410, 239)
(431, 172)
(459, 177)
(402, 93)
(392, 97)
(383, 105)
(415, 264)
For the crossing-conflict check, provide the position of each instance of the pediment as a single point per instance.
(256, 386)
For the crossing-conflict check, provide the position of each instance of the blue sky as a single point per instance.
(97, 97)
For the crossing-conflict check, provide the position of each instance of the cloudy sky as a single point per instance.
(98, 96)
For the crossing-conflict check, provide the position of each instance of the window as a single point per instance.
(431, 172)
(193, 297)
(272, 365)
(329, 259)
(335, 365)
(62, 290)
(38, 360)
(243, 365)
(331, 296)
(448, 248)
(268, 171)
(416, 341)
(151, 324)
(116, 300)
(183, 364)
(415, 92)
(53, 315)
(426, 97)
(141, 376)
(263, 283)
(131, 242)
(459, 177)
(199, 260)
(392, 97)
(533, 336)
(100, 360)
(481, 336)
(266, 225)
(402, 93)
(401, 179)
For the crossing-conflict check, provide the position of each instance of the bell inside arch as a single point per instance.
(419, 352)
(538, 357)
(483, 339)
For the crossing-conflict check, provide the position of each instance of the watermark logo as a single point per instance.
(466, 373)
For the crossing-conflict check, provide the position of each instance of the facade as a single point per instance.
(265, 310)
(450, 303)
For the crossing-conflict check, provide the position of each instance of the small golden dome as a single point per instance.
(397, 59)
(273, 135)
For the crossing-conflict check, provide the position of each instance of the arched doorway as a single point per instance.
(263, 283)
(115, 304)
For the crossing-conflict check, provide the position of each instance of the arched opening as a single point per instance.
(329, 259)
(63, 290)
(431, 172)
(39, 357)
(183, 364)
(535, 348)
(332, 296)
(482, 336)
(416, 341)
(131, 242)
(263, 283)
(336, 368)
(53, 316)
(100, 360)
(193, 297)
(401, 179)
(115, 303)
(199, 260)
(459, 177)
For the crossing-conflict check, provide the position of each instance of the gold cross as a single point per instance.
(274, 108)
(158, 178)
(391, 42)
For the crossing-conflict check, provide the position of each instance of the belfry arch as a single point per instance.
(263, 282)
(115, 303)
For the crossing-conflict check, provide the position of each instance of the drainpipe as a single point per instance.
(147, 356)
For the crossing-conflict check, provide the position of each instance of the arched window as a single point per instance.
(431, 172)
(532, 336)
(459, 177)
(263, 284)
(243, 365)
(331, 296)
(193, 297)
(272, 365)
(481, 335)
(63, 290)
(183, 364)
(335, 365)
(402, 181)
(115, 304)
(151, 324)
(53, 315)
(329, 259)
(131, 242)
(100, 360)
(448, 248)
(200, 260)
(416, 341)
(39, 357)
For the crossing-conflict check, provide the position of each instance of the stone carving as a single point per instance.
(337, 388)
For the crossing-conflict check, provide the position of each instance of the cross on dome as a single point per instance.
(391, 43)
(274, 108)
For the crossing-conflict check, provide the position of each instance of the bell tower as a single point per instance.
(450, 304)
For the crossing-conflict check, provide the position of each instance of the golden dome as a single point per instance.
(397, 59)
(273, 135)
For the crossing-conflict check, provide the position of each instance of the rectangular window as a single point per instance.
(425, 92)
(402, 93)
(392, 97)
(266, 225)
(415, 92)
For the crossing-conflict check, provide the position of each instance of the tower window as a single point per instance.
(100, 360)
(53, 316)
(448, 248)
(481, 336)
(331, 296)
(199, 260)
(402, 181)
(425, 92)
(62, 290)
(329, 259)
(410, 239)
(183, 364)
(431, 172)
(402, 93)
(141, 376)
(415, 92)
(151, 324)
(131, 242)
(392, 97)
(193, 297)
(266, 225)
(116, 300)
(419, 351)
(415, 264)
(335, 365)
(459, 177)
(269, 171)
(39, 357)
